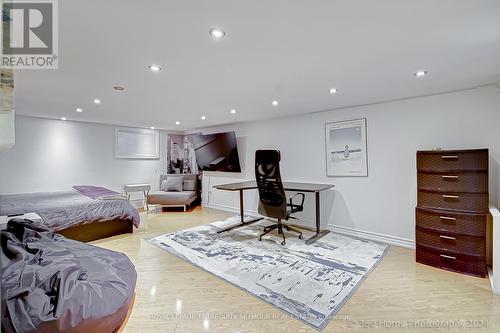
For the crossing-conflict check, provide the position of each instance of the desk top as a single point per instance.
(289, 186)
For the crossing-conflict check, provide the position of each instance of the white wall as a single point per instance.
(384, 202)
(52, 155)
(7, 129)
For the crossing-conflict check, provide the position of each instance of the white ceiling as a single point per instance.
(291, 51)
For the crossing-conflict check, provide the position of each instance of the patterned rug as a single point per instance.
(309, 282)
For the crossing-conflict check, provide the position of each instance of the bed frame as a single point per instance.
(97, 230)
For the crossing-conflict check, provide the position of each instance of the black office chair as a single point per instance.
(272, 195)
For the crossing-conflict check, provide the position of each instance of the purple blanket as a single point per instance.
(95, 192)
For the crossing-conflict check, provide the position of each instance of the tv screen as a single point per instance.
(216, 152)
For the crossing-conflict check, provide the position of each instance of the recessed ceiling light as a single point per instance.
(79, 110)
(233, 111)
(97, 101)
(118, 88)
(152, 127)
(177, 122)
(332, 91)
(203, 117)
(216, 33)
(154, 68)
(421, 73)
(63, 118)
(275, 103)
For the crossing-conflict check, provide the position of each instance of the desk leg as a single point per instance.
(319, 233)
(242, 211)
(146, 193)
(242, 217)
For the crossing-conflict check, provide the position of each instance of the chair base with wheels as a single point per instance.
(280, 227)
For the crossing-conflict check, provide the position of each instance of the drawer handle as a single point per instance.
(447, 257)
(449, 157)
(447, 196)
(447, 237)
(448, 218)
(450, 177)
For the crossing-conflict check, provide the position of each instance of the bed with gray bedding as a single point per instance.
(66, 209)
(51, 284)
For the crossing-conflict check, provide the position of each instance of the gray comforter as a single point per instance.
(52, 284)
(61, 210)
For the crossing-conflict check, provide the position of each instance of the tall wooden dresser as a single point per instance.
(452, 207)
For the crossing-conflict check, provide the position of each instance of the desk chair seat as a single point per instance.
(272, 197)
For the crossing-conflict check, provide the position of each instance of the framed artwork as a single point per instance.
(346, 154)
(137, 143)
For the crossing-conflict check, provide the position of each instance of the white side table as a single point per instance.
(144, 188)
(30, 216)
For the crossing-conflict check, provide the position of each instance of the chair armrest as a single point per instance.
(297, 207)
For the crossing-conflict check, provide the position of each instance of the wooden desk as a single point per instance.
(288, 186)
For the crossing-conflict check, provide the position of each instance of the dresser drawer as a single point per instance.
(466, 202)
(461, 244)
(464, 224)
(452, 262)
(453, 181)
(474, 160)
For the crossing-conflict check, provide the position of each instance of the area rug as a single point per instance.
(309, 282)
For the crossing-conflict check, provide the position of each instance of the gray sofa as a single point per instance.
(174, 198)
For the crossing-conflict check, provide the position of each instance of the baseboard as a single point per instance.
(229, 209)
(407, 243)
(492, 282)
(398, 241)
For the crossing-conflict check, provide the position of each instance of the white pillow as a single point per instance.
(163, 186)
(189, 185)
(172, 184)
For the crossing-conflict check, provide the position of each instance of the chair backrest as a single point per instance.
(272, 196)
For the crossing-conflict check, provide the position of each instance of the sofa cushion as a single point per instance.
(189, 185)
(171, 198)
(173, 184)
(184, 176)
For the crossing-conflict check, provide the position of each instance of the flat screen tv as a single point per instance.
(216, 152)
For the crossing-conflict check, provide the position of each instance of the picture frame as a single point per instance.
(137, 143)
(346, 148)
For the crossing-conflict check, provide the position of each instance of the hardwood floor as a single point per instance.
(398, 296)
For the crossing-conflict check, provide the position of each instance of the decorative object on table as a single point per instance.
(452, 210)
(144, 188)
(309, 282)
(346, 153)
(137, 143)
